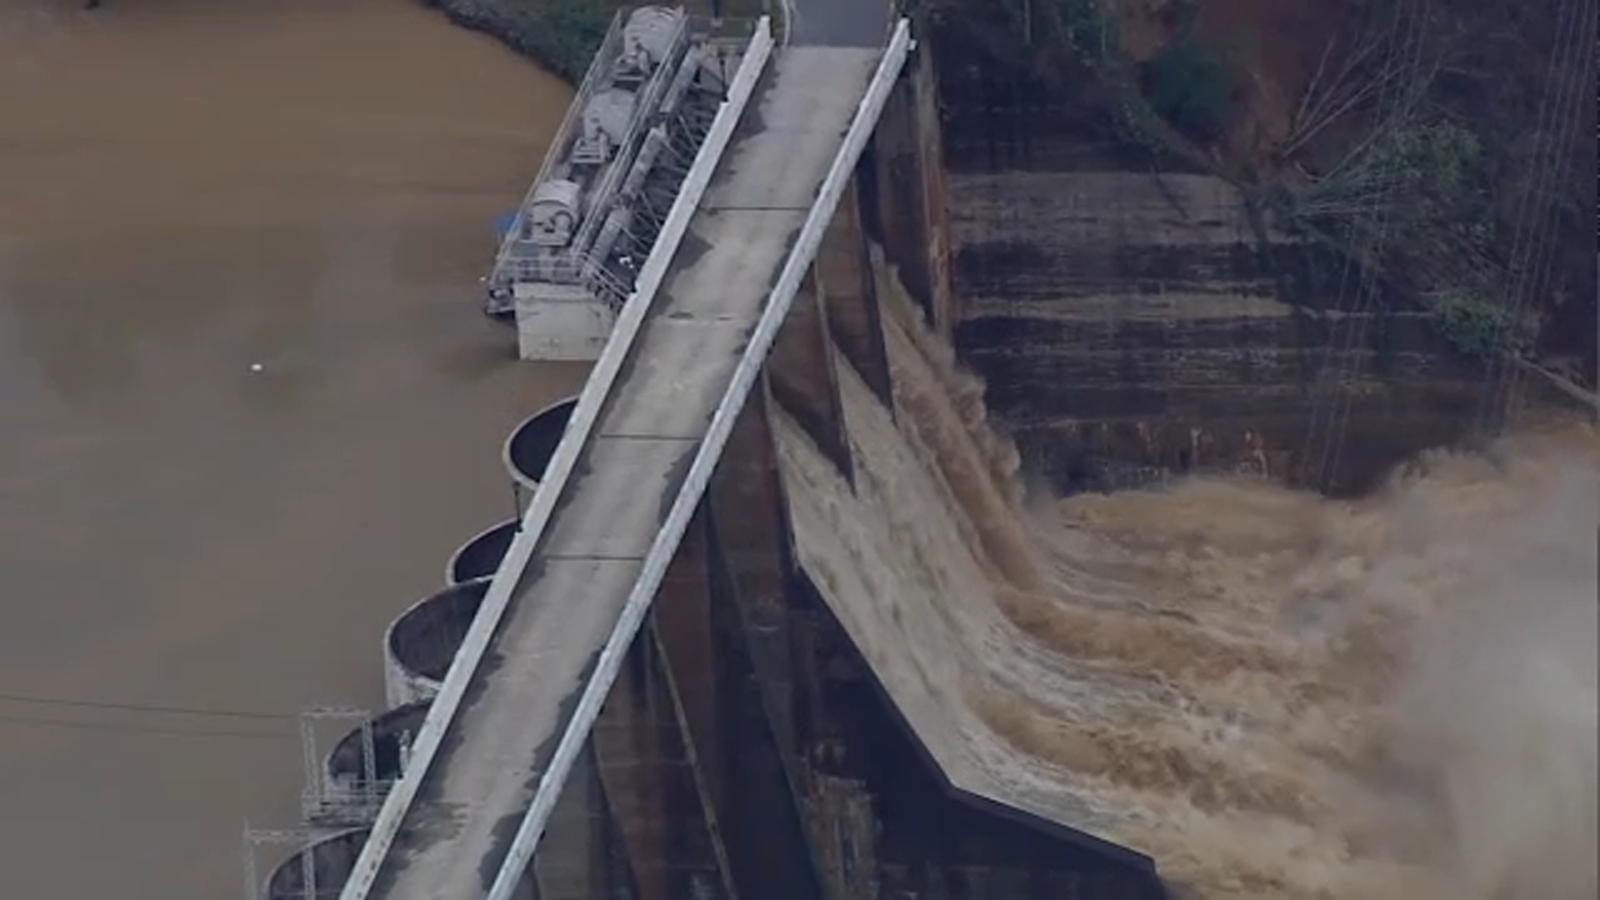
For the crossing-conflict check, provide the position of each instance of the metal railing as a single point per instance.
(598, 203)
(511, 262)
(341, 805)
(609, 662)
(586, 270)
(589, 260)
(561, 144)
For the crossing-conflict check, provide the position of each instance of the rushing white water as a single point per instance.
(1274, 694)
(1392, 698)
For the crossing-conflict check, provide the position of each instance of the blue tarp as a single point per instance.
(503, 224)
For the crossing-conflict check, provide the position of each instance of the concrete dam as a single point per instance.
(774, 619)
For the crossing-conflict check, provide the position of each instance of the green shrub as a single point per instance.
(561, 35)
(1475, 324)
(1192, 86)
(1415, 199)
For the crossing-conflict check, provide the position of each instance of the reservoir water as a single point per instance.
(247, 403)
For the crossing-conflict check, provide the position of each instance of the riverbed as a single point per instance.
(248, 405)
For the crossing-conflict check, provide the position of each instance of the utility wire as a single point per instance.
(1329, 371)
(1533, 206)
(1370, 287)
(1569, 65)
(42, 722)
(144, 708)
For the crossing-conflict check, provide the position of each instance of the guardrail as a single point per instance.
(560, 144)
(612, 655)
(648, 100)
(448, 701)
(586, 269)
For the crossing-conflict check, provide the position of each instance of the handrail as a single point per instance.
(604, 55)
(447, 701)
(612, 655)
(648, 99)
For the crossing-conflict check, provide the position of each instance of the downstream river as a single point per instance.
(247, 403)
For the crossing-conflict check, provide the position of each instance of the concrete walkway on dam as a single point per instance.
(569, 598)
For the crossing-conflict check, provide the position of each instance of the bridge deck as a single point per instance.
(458, 828)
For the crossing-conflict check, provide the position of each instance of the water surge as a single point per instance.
(1274, 694)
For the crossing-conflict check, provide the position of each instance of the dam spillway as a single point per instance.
(660, 686)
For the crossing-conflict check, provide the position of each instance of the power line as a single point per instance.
(1504, 377)
(42, 722)
(1336, 378)
(1409, 94)
(1532, 208)
(144, 708)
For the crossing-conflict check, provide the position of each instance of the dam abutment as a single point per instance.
(905, 205)
(1131, 322)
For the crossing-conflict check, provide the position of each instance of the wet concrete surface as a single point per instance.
(188, 190)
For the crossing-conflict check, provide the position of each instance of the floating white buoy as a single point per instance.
(256, 367)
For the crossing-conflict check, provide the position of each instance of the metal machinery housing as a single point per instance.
(570, 257)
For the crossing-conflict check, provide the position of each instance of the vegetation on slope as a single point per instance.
(561, 35)
(1436, 143)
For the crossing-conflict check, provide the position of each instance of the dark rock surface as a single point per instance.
(1131, 322)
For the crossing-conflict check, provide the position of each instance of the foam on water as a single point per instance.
(1278, 695)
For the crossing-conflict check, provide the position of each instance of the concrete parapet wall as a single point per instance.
(1130, 323)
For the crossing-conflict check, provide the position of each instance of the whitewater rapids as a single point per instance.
(1273, 694)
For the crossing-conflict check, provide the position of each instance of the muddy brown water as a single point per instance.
(188, 187)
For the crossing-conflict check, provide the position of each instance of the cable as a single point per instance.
(1535, 207)
(1532, 209)
(1336, 379)
(1370, 286)
(1329, 372)
(1541, 257)
(40, 722)
(145, 708)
